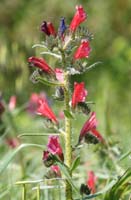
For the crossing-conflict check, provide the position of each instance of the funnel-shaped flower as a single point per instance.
(54, 147)
(79, 17)
(89, 131)
(79, 93)
(91, 182)
(83, 50)
(46, 111)
(41, 64)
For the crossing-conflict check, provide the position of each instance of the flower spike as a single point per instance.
(46, 111)
(79, 17)
(79, 93)
(83, 50)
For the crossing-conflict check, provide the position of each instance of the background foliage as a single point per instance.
(109, 85)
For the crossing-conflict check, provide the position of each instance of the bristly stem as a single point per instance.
(68, 148)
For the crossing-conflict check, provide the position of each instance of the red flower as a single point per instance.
(56, 170)
(79, 93)
(54, 147)
(83, 50)
(51, 28)
(45, 110)
(48, 28)
(59, 74)
(91, 181)
(89, 130)
(79, 17)
(40, 63)
(12, 103)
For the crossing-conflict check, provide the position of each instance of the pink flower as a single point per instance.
(54, 147)
(59, 74)
(91, 182)
(83, 50)
(89, 130)
(12, 142)
(44, 110)
(79, 17)
(79, 93)
(34, 102)
(40, 63)
(12, 103)
(56, 170)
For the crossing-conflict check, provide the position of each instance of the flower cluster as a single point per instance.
(71, 46)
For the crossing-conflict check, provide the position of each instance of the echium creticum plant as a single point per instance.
(71, 46)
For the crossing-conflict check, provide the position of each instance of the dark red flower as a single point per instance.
(54, 147)
(46, 111)
(79, 17)
(40, 63)
(79, 93)
(48, 28)
(89, 131)
(56, 170)
(83, 50)
(51, 28)
(91, 182)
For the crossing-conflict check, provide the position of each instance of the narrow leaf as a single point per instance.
(52, 54)
(75, 163)
(65, 171)
(9, 156)
(91, 66)
(49, 83)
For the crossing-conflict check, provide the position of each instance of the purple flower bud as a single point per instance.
(62, 27)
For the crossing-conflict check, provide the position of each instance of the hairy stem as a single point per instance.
(68, 148)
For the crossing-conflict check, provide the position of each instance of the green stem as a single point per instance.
(23, 192)
(38, 192)
(68, 148)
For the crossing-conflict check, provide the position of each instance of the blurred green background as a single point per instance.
(109, 84)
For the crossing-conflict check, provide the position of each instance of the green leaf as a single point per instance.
(49, 83)
(91, 66)
(75, 163)
(68, 114)
(66, 172)
(124, 155)
(9, 156)
(52, 54)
